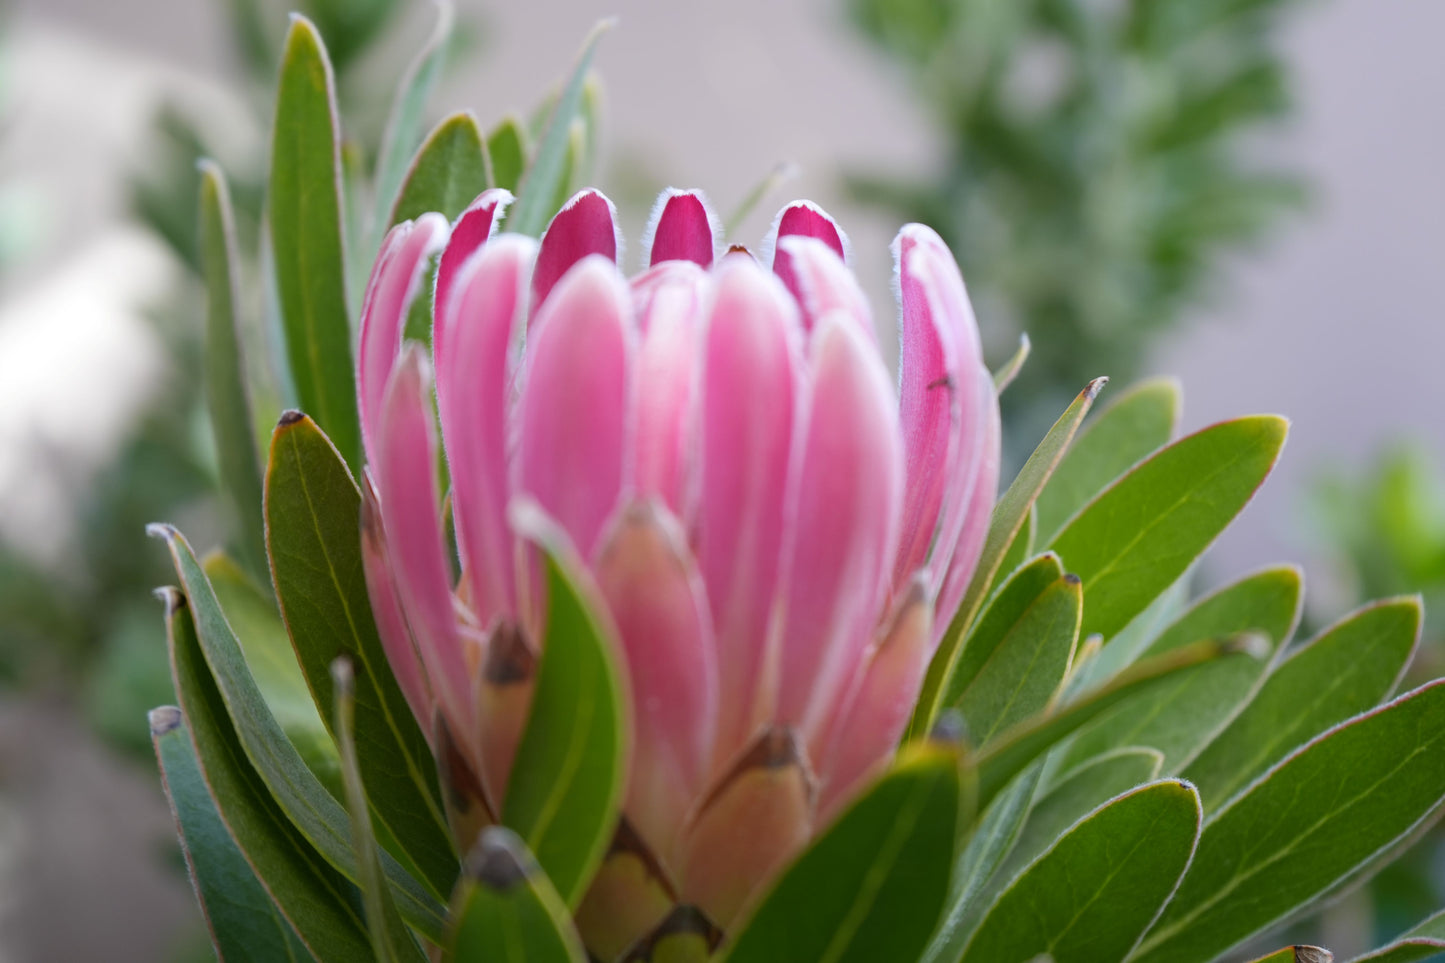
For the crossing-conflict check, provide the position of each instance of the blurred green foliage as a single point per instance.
(1097, 161)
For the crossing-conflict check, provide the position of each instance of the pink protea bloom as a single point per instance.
(780, 536)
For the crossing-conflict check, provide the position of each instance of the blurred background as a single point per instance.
(1245, 194)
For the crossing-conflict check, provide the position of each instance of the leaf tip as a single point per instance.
(497, 861)
(290, 417)
(163, 719)
(164, 531)
(1092, 389)
(172, 598)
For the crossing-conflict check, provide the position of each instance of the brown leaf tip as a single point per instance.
(950, 728)
(164, 719)
(173, 599)
(289, 417)
(1072, 579)
(510, 660)
(496, 862)
(1092, 389)
(1312, 954)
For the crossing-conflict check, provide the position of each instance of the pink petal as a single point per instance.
(801, 219)
(395, 278)
(682, 228)
(822, 283)
(391, 625)
(929, 408)
(587, 224)
(476, 225)
(573, 418)
(982, 479)
(656, 597)
(845, 534)
(669, 301)
(749, 410)
(405, 472)
(473, 351)
(875, 711)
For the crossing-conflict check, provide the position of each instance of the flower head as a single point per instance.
(779, 534)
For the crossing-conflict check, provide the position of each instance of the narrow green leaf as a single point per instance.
(1136, 539)
(1313, 819)
(1126, 431)
(306, 238)
(315, 814)
(258, 628)
(1345, 670)
(1180, 717)
(1008, 519)
(1011, 603)
(244, 923)
(1422, 942)
(507, 146)
(1004, 376)
(565, 802)
(1091, 896)
(319, 903)
(872, 886)
(447, 173)
(226, 395)
(539, 184)
(506, 910)
(313, 510)
(1019, 550)
(1022, 671)
(408, 113)
(571, 164)
(999, 763)
(390, 939)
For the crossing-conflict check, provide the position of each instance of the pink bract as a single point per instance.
(780, 535)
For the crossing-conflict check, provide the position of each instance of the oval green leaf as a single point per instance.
(507, 147)
(447, 173)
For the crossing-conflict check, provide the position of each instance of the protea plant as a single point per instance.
(660, 624)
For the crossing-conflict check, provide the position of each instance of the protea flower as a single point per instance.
(779, 536)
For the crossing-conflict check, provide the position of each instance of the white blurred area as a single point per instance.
(1337, 324)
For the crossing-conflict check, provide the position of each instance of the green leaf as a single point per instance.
(390, 939)
(306, 233)
(1004, 376)
(317, 901)
(225, 377)
(1008, 518)
(506, 910)
(313, 511)
(1013, 675)
(1000, 762)
(872, 886)
(1345, 670)
(507, 146)
(1422, 942)
(1091, 896)
(571, 164)
(565, 801)
(539, 184)
(1020, 549)
(408, 112)
(1134, 540)
(313, 812)
(447, 173)
(1314, 818)
(1180, 717)
(1132, 427)
(252, 616)
(244, 923)
(1010, 605)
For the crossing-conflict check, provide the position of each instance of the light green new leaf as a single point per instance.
(1004, 376)
(539, 184)
(1314, 818)
(313, 812)
(505, 909)
(1022, 671)
(320, 905)
(306, 233)
(1008, 518)
(313, 512)
(226, 394)
(245, 925)
(1091, 896)
(447, 173)
(1126, 431)
(507, 146)
(1136, 539)
(390, 939)
(565, 801)
(408, 112)
(1347, 669)
(1180, 717)
(1421, 942)
(872, 886)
